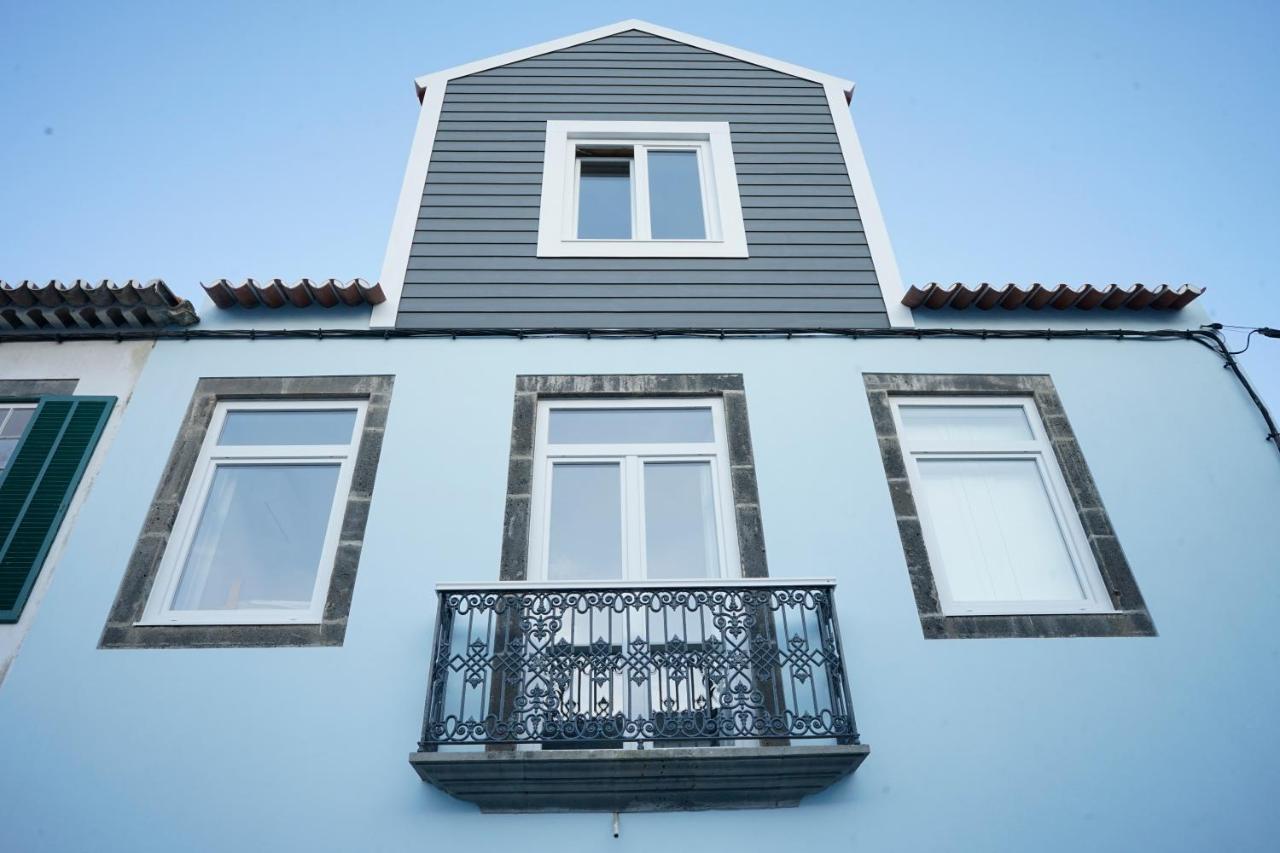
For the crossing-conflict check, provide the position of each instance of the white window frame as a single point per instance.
(721, 205)
(1040, 450)
(631, 458)
(13, 407)
(159, 610)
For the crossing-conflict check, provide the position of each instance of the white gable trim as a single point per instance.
(882, 257)
(395, 263)
(622, 27)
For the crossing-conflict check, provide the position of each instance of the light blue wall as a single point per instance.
(1108, 744)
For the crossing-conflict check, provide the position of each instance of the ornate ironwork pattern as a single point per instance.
(601, 666)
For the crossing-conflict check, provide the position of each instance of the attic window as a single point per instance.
(640, 189)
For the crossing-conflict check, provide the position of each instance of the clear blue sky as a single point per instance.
(1078, 142)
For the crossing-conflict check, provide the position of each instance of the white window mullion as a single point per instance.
(982, 448)
(573, 168)
(540, 516)
(641, 227)
(710, 202)
(634, 515)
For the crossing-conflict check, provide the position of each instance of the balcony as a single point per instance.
(593, 696)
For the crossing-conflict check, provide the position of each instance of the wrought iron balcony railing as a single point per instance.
(605, 665)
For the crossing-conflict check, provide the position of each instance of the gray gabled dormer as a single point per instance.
(635, 177)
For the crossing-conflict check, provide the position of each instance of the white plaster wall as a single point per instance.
(100, 369)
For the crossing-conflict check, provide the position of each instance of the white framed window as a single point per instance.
(14, 418)
(640, 189)
(257, 531)
(630, 490)
(999, 523)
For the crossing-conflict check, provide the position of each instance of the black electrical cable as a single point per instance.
(188, 333)
(1209, 337)
(1247, 340)
(1265, 331)
(1273, 432)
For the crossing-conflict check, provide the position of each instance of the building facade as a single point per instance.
(59, 409)
(686, 522)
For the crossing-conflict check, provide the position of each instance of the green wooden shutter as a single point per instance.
(37, 486)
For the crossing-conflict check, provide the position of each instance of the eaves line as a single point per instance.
(1206, 337)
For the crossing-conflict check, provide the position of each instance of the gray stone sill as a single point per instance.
(609, 780)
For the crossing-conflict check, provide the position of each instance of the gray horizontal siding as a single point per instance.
(518, 125)
(520, 198)
(557, 86)
(461, 220)
(626, 266)
(490, 244)
(726, 318)
(698, 291)
(495, 167)
(672, 304)
(744, 75)
(473, 262)
(674, 278)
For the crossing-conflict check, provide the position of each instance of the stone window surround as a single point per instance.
(31, 390)
(727, 386)
(1130, 618)
(121, 632)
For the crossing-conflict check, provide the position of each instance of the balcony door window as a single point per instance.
(631, 490)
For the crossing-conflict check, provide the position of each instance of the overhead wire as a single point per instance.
(1209, 336)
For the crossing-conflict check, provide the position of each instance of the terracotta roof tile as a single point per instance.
(1038, 296)
(82, 305)
(302, 294)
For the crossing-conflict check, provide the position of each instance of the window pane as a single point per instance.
(13, 421)
(630, 426)
(680, 521)
(675, 196)
(283, 427)
(965, 423)
(586, 522)
(260, 538)
(604, 199)
(999, 538)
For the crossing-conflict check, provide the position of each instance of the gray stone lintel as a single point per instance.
(618, 780)
(29, 390)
